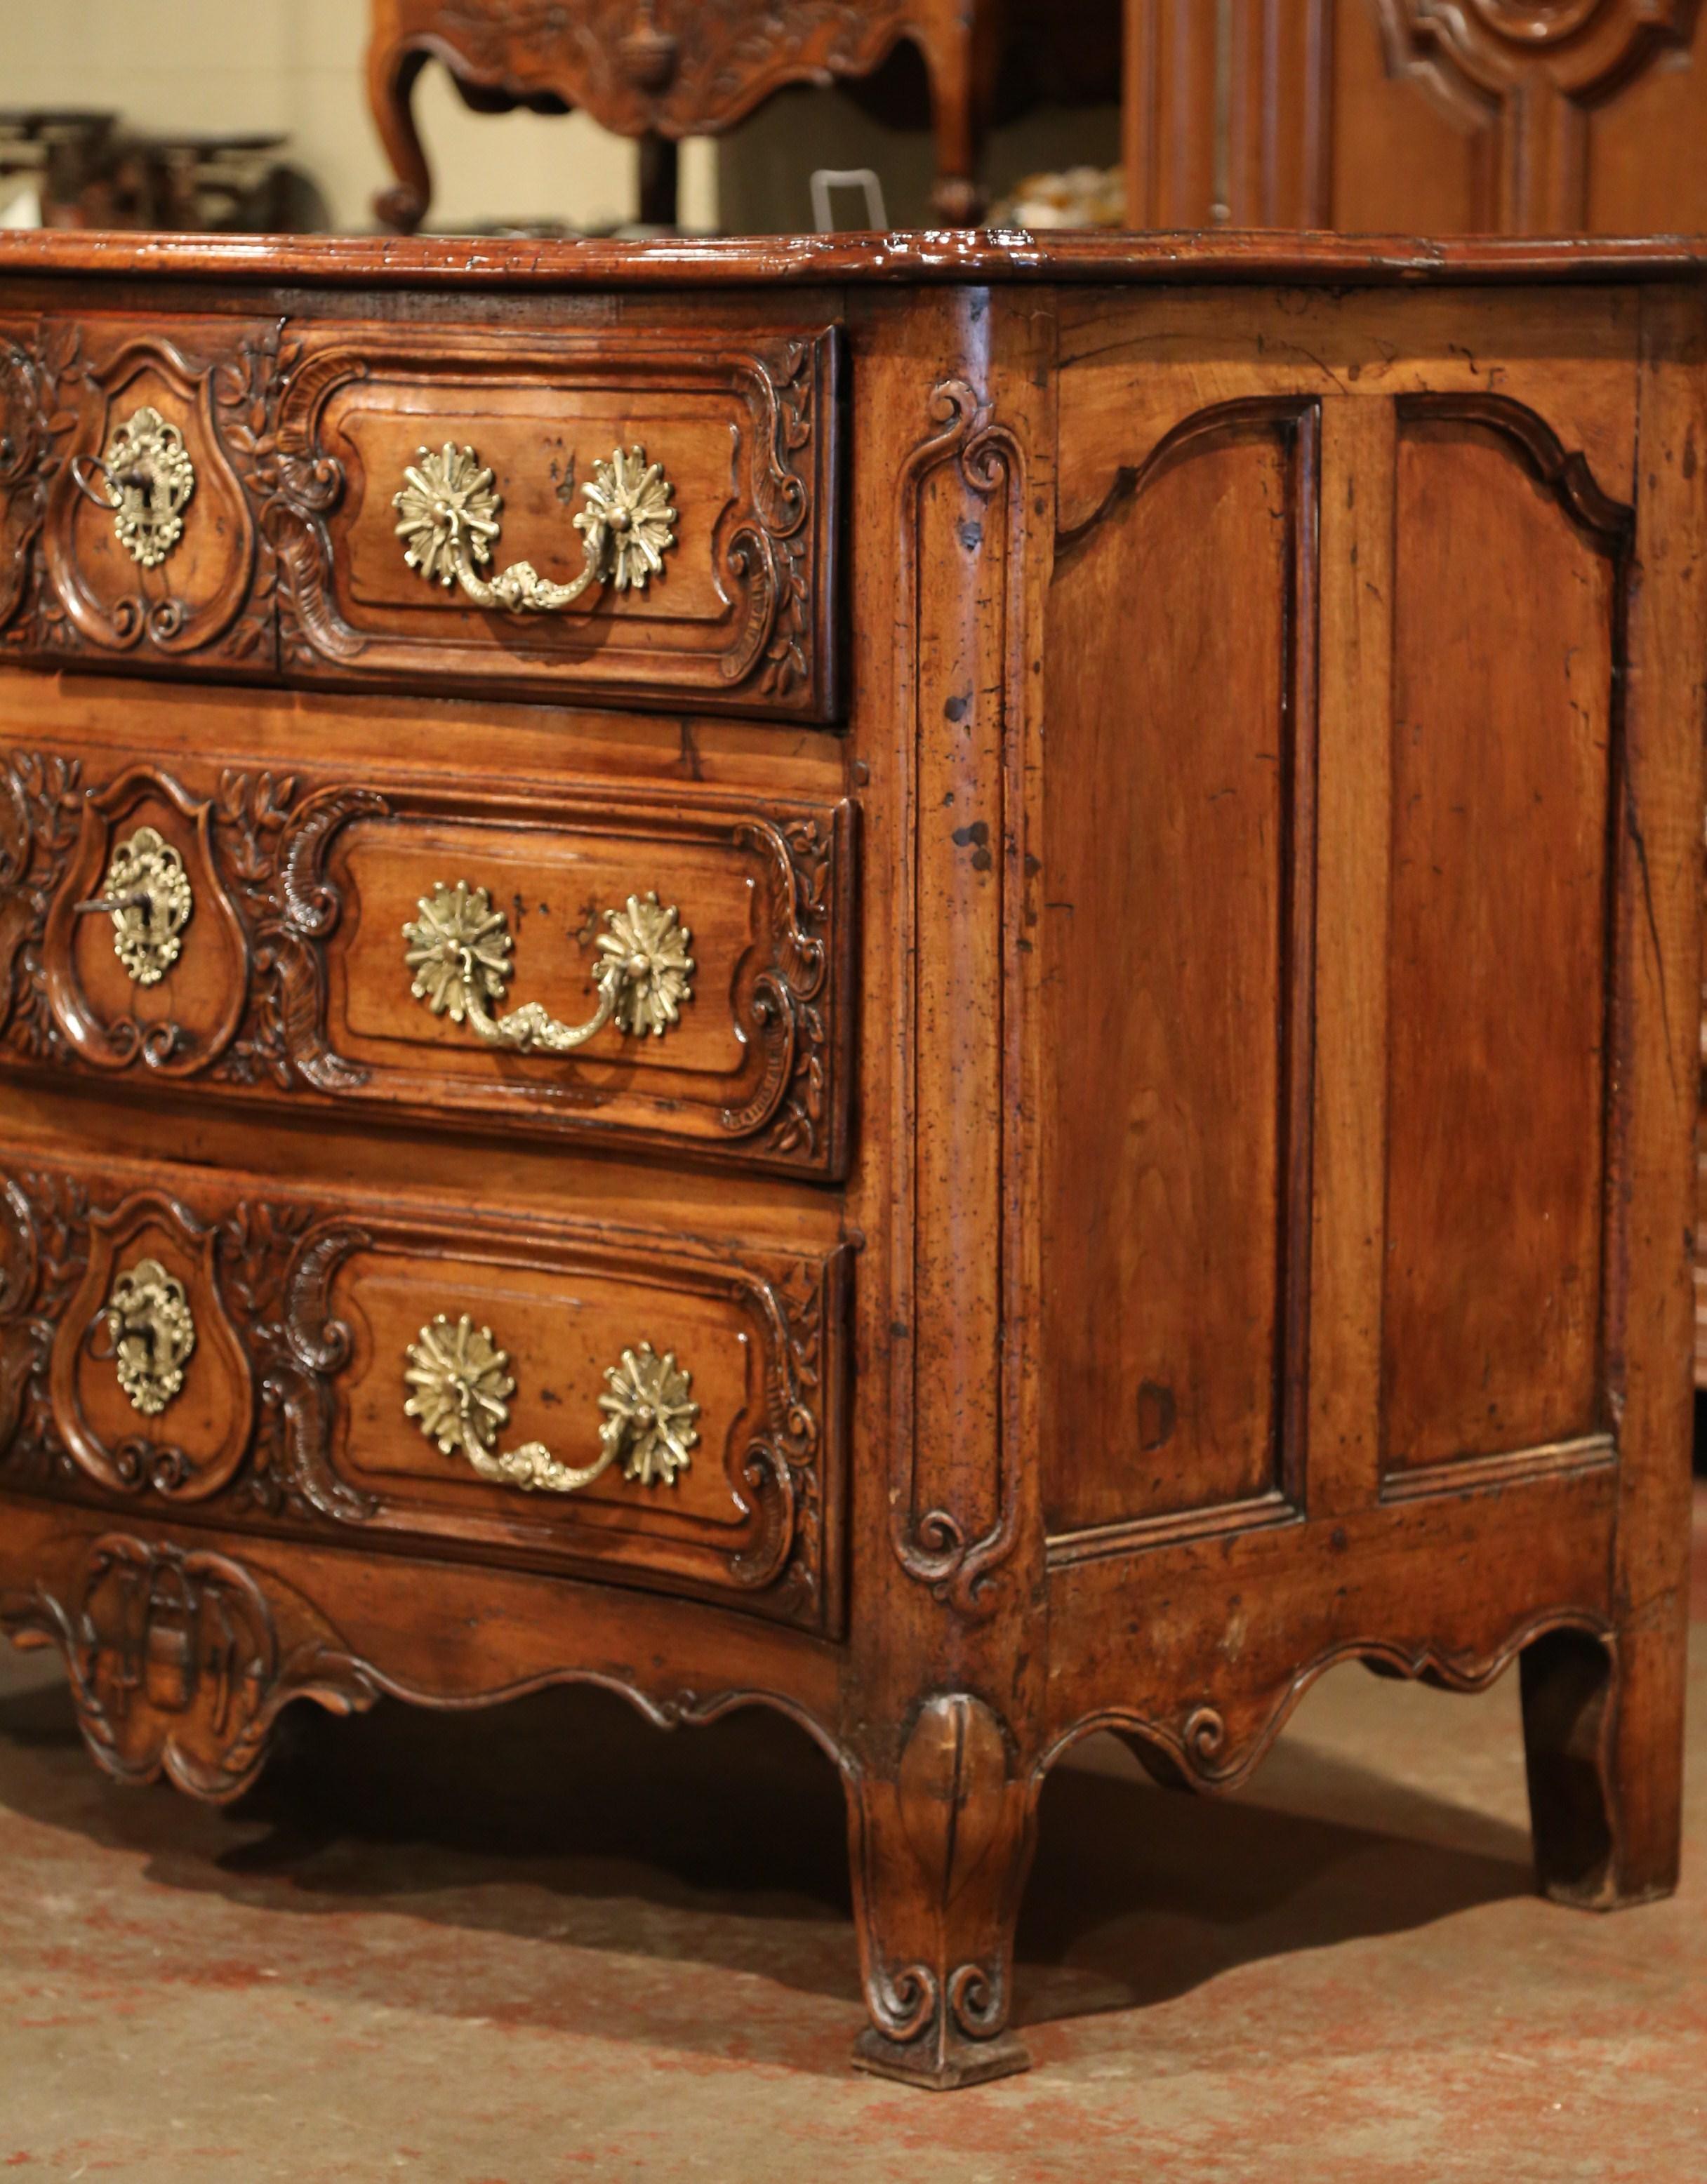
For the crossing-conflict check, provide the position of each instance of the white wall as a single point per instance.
(297, 66)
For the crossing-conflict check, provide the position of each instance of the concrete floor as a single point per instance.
(548, 1943)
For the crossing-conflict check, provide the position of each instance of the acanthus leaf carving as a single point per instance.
(263, 845)
(784, 1465)
(275, 846)
(786, 1014)
(277, 1265)
(43, 808)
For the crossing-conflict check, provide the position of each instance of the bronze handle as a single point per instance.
(461, 1384)
(460, 947)
(447, 518)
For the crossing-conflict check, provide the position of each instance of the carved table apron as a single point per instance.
(942, 983)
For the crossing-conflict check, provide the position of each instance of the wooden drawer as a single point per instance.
(290, 910)
(257, 470)
(193, 1342)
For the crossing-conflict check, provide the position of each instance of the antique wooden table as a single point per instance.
(947, 984)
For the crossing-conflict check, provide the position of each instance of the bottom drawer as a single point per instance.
(530, 1392)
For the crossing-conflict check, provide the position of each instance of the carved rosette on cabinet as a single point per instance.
(245, 1389)
(181, 1661)
(260, 976)
(741, 619)
(1532, 70)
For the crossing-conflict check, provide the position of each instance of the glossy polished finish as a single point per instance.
(1170, 1168)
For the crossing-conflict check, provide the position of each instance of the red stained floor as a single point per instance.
(549, 1943)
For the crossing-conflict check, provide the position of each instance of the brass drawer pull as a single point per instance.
(447, 518)
(461, 1385)
(460, 948)
(150, 900)
(146, 478)
(149, 1333)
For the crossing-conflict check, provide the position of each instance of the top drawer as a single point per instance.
(645, 518)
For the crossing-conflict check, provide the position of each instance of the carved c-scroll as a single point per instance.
(958, 1542)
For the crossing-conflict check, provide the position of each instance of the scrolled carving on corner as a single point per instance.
(176, 1663)
(960, 1557)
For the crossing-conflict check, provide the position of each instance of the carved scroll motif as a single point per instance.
(176, 1663)
(957, 1545)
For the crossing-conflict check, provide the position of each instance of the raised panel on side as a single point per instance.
(1507, 648)
(1179, 765)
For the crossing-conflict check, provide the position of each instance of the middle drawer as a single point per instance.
(636, 967)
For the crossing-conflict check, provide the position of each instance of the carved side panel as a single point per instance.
(1177, 943)
(181, 1661)
(1506, 758)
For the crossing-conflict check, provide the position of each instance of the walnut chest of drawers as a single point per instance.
(944, 985)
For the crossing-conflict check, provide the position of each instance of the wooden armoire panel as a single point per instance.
(1421, 117)
(1177, 750)
(1507, 642)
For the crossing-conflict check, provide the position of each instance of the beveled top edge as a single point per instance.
(976, 256)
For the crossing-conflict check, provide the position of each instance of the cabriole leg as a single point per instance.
(940, 1849)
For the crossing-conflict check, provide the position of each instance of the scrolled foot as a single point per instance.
(941, 1848)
